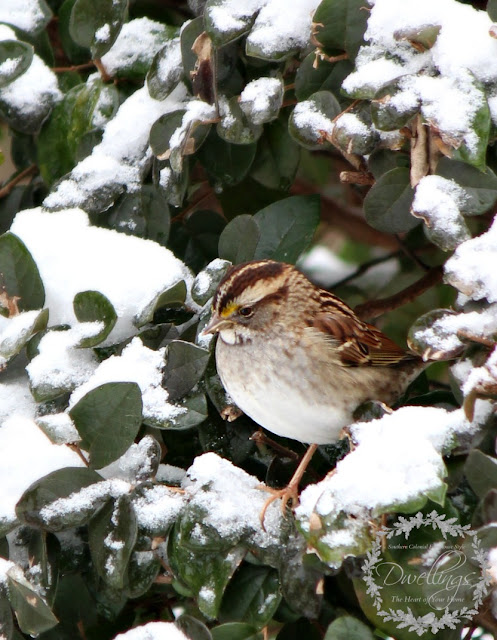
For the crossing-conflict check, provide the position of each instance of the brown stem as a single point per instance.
(29, 171)
(356, 177)
(375, 308)
(102, 70)
(77, 450)
(467, 335)
(259, 437)
(410, 254)
(470, 632)
(87, 66)
(365, 266)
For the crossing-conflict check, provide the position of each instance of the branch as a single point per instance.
(29, 171)
(375, 308)
(362, 268)
(87, 66)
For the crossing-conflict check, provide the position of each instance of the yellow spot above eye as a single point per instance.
(229, 309)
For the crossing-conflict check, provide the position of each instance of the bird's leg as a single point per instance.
(291, 492)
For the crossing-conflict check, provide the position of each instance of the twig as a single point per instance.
(410, 254)
(365, 266)
(259, 437)
(87, 66)
(29, 171)
(103, 71)
(78, 451)
(356, 177)
(469, 635)
(375, 308)
(487, 342)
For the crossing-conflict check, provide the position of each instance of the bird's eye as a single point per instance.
(245, 311)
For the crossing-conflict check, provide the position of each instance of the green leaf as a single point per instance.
(185, 366)
(348, 628)
(15, 58)
(302, 628)
(316, 75)
(171, 298)
(475, 152)
(239, 239)
(6, 621)
(383, 160)
(236, 631)
(278, 157)
(312, 120)
(33, 614)
(56, 485)
(226, 163)
(107, 419)
(480, 186)
(206, 282)
(13, 344)
(340, 24)
(73, 119)
(252, 596)
(143, 213)
(287, 228)
(234, 126)
(44, 553)
(93, 306)
(19, 275)
(165, 71)
(143, 568)
(192, 628)
(230, 28)
(189, 33)
(95, 24)
(75, 53)
(492, 10)
(387, 206)
(112, 535)
(481, 471)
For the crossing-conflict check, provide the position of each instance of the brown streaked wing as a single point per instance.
(361, 343)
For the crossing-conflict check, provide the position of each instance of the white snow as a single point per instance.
(441, 336)
(135, 463)
(85, 499)
(483, 378)
(196, 111)
(15, 397)
(24, 14)
(130, 271)
(121, 158)
(313, 122)
(472, 267)
(158, 507)
(170, 65)
(26, 455)
(397, 458)
(59, 428)
(439, 203)
(138, 41)
(233, 503)
(137, 364)
(102, 34)
(14, 331)
(279, 27)
(261, 99)
(351, 125)
(37, 88)
(446, 88)
(233, 15)
(153, 631)
(60, 365)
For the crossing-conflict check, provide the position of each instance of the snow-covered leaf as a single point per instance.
(166, 70)
(15, 332)
(56, 502)
(312, 121)
(340, 24)
(112, 535)
(206, 281)
(15, 58)
(95, 24)
(235, 127)
(93, 306)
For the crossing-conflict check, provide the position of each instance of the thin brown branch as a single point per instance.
(470, 632)
(259, 437)
(365, 266)
(102, 70)
(410, 254)
(356, 177)
(29, 171)
(78, 451)
(467, 335)
(87, 66)
(375, 308)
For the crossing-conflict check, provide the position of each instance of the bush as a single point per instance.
(156, 143)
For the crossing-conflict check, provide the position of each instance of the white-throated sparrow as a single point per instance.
(297, 359)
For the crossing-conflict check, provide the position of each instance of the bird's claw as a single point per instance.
(289, 494)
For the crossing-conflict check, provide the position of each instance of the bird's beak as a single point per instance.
(215, 324)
